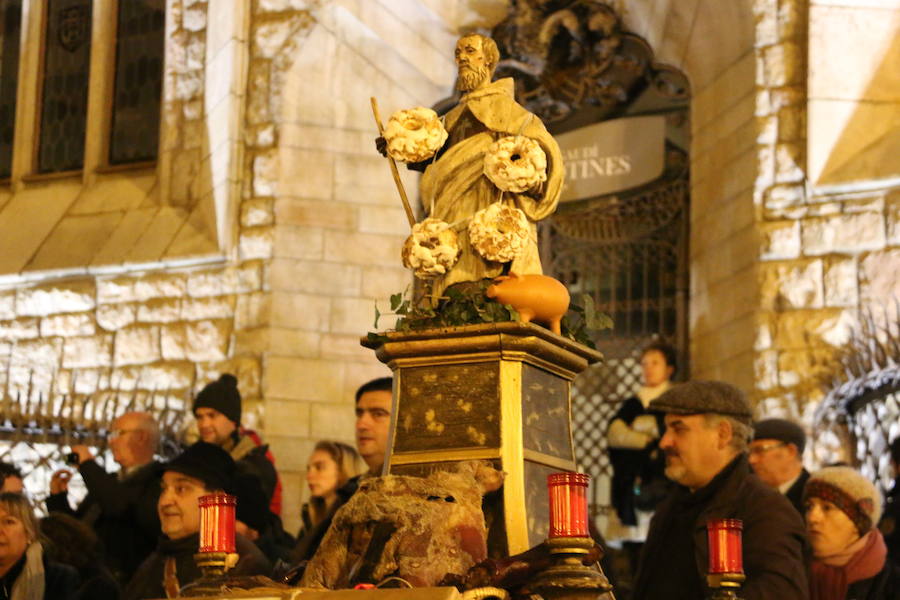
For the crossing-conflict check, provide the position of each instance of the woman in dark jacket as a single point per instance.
(331, 474)
(25, 573)
(849, 554)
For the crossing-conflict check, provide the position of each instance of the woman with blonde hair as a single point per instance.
(849, 554)
(25, 573)
(332, 473)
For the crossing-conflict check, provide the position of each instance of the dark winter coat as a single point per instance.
(884, 586)
(148, 580)
(675, 559)
(121, 513)
(890, 523)
(795, 492)
(60, 581)
(645, 467)
(310, 535)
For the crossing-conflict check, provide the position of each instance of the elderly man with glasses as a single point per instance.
(776, 456)
(120, 507)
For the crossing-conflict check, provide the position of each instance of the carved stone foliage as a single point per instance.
(569, 54)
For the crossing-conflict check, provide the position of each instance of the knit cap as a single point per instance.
(206, 462)
(848, 490)
(221, 395)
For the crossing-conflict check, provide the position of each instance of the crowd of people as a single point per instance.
(135, 533)
(827, 535)
(688, 453)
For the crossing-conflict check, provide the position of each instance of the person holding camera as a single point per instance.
(120, 507)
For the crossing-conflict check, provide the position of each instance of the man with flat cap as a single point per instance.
(705, 444)
(201, 469)
(776, 456)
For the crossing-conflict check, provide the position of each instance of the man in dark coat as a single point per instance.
(218, 411)
(776, 457)
(201, 469)
(120, 507)
(707, 431)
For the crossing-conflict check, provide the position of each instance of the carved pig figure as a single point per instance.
(536, 297)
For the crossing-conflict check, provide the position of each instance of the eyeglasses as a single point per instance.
(764, 449)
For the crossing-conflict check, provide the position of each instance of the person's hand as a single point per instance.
(59, 482)
(245, 530)
(381, 145)
(83, 452)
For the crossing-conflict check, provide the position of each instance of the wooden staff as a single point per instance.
(394, 172)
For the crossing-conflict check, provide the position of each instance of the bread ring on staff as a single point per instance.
(431, 249)
(515, 164)
(499, 233)
(414, 134)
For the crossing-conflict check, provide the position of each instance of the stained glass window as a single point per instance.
(139, 68)
(67, 56)
(11, 14)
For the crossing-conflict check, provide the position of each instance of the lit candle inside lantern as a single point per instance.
(568, 504)
(725, 554)
(217, 522)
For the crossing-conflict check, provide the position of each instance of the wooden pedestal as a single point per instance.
(495, 391)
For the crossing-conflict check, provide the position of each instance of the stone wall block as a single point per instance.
(194, 18)
(792, 20)
(299, 242)
(863, 205)
(207, 340)
(68, 325)
(256, 243)
(230, 280)
(802, 329)
(271, 36)
(266, 172)
(782, 64)
(119, 289)
(300, 311)
(346, 346)
(136, 345)
(19, 329)
(791, 124)
(841, 281)
(168, 375)
(767, 129)
(791, 285)
(188, 85)
(879, 276)
(113, 317)
(290, 418)
(159, 310)
(892, 212)
(275, 6)
(322, 380)
(781, 240)
(765, 369)
(194, 309)
(62, 297)
(765, 331)
(843, 233)
(314, 277)
(784, 196)
(8, 305)
(256, 212)
(252, 310)
(259, 108)
(247, 369)
(804, 368)
(789, 163)
(87, 352)
(160, 285)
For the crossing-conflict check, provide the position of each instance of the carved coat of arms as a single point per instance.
(73, 27)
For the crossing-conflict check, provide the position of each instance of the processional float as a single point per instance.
(480, 494)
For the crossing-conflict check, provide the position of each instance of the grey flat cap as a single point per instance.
(696, 397)
(781, 430)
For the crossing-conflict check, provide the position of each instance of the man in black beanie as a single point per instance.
(201, 469)
(218, 411)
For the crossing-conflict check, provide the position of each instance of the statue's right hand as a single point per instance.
(381, 145)
(59, 482)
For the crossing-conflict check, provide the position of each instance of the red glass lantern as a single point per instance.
(217, 522)
(568, 504)
(725, 554)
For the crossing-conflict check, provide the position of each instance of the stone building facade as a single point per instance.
(261, 238)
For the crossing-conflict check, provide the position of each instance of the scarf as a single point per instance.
(29, 584)
(832, 575)
(647, 394)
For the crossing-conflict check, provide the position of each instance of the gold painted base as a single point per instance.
(568, 578)
(726, 585)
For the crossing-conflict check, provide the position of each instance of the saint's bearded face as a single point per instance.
(472, 63)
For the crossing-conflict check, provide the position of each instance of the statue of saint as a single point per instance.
(454, 187)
